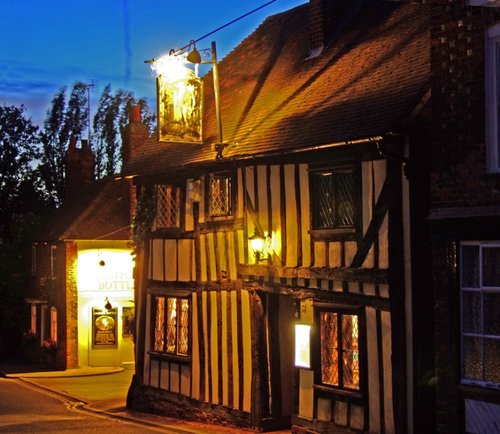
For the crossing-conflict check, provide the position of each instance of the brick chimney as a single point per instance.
(326, 19)
(134, 134)
(79, 166)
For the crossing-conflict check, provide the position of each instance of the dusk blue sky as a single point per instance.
(45, 45)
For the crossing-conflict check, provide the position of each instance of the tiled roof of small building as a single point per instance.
(366, 82)
(101, 211)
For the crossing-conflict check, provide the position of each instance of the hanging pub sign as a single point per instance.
(104, 327)
(180, 97)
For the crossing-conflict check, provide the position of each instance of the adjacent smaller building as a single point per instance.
(81, 308)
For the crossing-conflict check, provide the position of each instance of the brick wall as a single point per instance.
(458, 177)
(458, 157)
(71, 314)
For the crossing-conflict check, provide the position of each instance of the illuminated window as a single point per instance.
(171, 325)
(220, 195)
(168, 206)
(33, 322)
(53, 324)
(480, 313)
(333, 199)
(340, 350)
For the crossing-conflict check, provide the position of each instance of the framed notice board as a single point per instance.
(104, 327)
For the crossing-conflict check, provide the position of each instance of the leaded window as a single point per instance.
(339, 349)
(220, 195)
(168, 206)
(333, 194)
(171, 325)
(480, 313)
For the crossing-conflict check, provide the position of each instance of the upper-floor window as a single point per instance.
(339, 347)
(220, 195)
(480, 313)
(334, 199)
(492, 86)
(170, 325)
(168, 206)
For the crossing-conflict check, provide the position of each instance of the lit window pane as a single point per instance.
(159, 339)
(168, 206)
(492, 360)
(471, 312)
(350, 345)
(491, 266)
(329, 349)
(220, 196)
(473, 360)
(470, 266)
(171, 324)
(184, 327)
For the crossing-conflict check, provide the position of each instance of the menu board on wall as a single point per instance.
(104, 327)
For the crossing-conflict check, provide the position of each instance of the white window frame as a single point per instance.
(482, 290)
(492, 91)
(487, 3)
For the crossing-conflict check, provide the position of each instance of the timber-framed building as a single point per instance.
(323, 111)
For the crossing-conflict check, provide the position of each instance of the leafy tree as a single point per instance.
(76, 116)
(18, 181)
(64, 120)
(53, 139)
(110, 118)
(22, 200)
(69, 118)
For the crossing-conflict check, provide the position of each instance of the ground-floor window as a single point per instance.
(33, 319)
(339, 345)
(170, 325)
(53, 324)
(480, 312)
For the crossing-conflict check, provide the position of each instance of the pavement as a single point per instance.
(104, 390)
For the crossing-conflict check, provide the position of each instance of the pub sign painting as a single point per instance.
(104, 327)
(180, 108)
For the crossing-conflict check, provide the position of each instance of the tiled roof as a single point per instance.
(365, 83)
(99, 212)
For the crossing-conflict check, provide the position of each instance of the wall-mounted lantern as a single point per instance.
(261, 246)
(107, 304)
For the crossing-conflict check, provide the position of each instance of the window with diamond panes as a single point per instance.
(339, 346)
(220, 195)
(333, 199)
(480, 313)
(167, 206)
(171, 325)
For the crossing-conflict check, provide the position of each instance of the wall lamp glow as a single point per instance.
(261, 246)
(107, 305)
